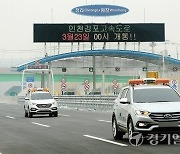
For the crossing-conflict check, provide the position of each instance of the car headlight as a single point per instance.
(53, 103)
(140, 112)
(33, 103)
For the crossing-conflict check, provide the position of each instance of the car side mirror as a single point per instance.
(124, 101)
(26, 98)
(55, 97)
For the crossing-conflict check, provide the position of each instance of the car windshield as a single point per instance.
(155, 95)
(41, 96)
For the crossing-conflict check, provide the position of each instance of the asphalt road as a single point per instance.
(72, 132)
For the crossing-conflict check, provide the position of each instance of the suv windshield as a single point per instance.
(155, 95)
(41, 96)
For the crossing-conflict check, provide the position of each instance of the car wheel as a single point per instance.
(50, 114)
(116, 134)
(26, 114)
(130, 128)
(30, 115)
(56, 114)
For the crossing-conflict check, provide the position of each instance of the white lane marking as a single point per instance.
(104, 121)
(63, 115)
(40, 124)
(10, 117)
(104, 140)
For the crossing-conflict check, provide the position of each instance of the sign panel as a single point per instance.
(94, 32)
(29, 79)
(100, 10)
(175, 69)
(86, 85)
(174, 84)
(115, 84)
(38, 67)
(29, 82)
(63, 84)
(152, 74)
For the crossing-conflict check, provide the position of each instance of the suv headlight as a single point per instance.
(54, 103)
(140, 112)
(33, 103)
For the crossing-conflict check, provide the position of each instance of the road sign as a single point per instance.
(115, 84)
(86, 86)
(117, 69)
(63, 86)
(152, 74)
(63, 80)
(29, 79)
(174, 84)
(30, 82)
(30, 85)
(99, 10)
(175, 69)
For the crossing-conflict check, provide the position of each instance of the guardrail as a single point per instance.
(87, 102)
(83, 102)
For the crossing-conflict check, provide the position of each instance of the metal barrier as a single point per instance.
(83, 102)
(21, 99)
(87, 102)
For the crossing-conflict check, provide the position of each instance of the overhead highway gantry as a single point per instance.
(129, 54)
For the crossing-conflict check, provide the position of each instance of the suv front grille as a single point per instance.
(43, 105)
(163, 117)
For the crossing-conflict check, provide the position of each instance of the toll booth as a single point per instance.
(43, 70)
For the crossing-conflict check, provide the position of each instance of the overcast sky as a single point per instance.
(18, 16)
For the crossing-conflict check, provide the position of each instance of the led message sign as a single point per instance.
(97, 32)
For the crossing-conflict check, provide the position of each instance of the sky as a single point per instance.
(18, 16)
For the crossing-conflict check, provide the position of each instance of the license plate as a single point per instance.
(44, 109)
(168, 124)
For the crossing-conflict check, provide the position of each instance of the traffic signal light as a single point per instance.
(63, 69)
(144, 68)
(90, 69)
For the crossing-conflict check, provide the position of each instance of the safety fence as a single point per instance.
(93, 102)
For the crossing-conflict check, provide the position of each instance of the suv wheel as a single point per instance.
(56, 114)
(130, 128)
(116, 134)
(25, 114)
(29, 113)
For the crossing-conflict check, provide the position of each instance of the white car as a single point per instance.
(146, 106)
(40, 101)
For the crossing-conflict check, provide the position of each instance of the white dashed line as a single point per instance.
(40, 124)
(104, 140)
(10, 117)
(63, 115)
(104, 121)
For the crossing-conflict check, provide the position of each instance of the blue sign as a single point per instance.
(100, 10)
(29, 79)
